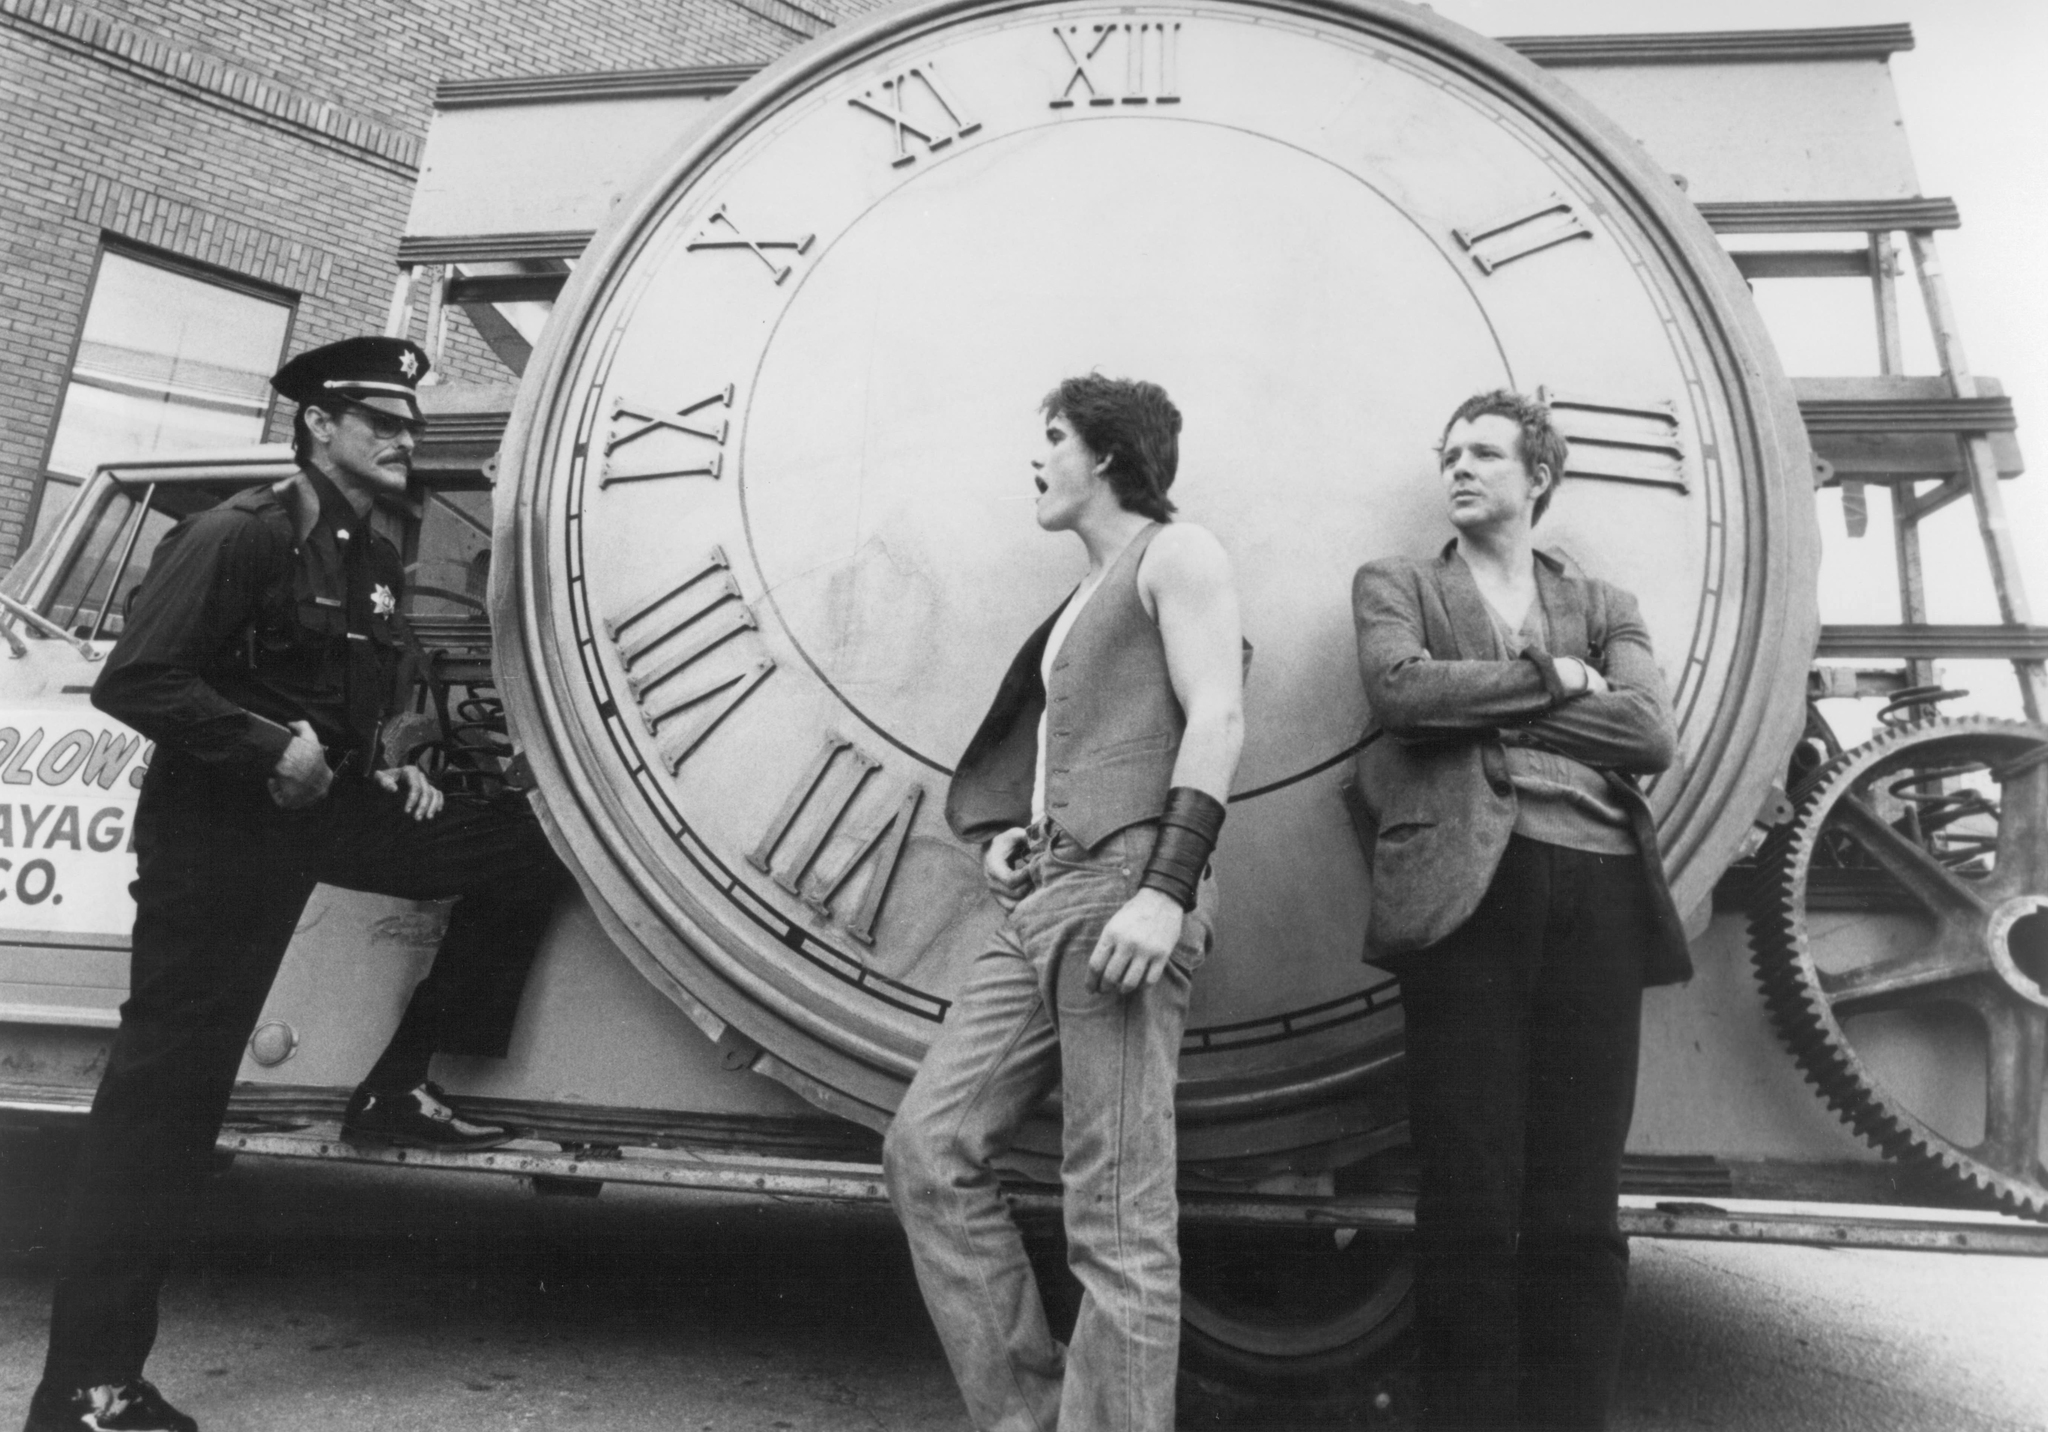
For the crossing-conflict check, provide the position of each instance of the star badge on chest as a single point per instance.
(381, 600)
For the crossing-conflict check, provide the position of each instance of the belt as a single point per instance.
(347, 764)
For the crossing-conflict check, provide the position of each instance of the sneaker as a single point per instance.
(132, 1406)
(417, 1118)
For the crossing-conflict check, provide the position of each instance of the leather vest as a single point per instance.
(1113, 723)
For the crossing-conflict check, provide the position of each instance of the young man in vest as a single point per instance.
(1518, 892)
(1096, 784)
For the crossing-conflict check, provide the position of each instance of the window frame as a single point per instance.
(206, 273)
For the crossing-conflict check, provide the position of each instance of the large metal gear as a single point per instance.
(1899, 926)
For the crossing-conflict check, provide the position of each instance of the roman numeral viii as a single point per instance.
(813, 810)
(666, 636)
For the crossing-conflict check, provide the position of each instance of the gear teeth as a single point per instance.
(1799, 1008)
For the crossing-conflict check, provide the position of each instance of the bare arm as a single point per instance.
(1186, 581)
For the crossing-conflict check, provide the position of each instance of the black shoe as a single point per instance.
(132, 1406)
(417, 1118)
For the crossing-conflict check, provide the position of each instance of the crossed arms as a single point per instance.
(1415, 696)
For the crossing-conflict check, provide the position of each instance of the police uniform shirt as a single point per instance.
(240, 629)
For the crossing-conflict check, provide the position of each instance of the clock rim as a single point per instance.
(1773, 641)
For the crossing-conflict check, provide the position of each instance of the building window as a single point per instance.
(171, 360)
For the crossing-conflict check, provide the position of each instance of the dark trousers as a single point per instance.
(222, 877)
(1522, 1031)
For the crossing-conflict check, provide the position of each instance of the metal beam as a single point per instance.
(747, 1175)
(506, 287)
(1853, 42)
(1924, 643)
(1831, 417)
(711, 80)
(1913, 505)
(1802, 263)
(1714, 47)
(1832, 216)
(417, 249)
(503, 339)
(1982, 469)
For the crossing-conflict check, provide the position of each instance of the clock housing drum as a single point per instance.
(771, 494)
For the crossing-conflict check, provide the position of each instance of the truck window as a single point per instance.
(91, 594)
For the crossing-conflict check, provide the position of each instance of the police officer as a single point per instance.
(261, 655)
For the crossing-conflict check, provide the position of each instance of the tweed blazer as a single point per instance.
(1438, 806)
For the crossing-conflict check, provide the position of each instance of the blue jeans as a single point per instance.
(1023, 1024)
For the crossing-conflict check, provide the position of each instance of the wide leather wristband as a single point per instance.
(1187, 834)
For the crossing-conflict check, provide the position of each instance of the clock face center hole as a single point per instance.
(2026, 944)
(1312, 333)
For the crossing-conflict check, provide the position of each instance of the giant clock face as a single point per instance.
(773, 507)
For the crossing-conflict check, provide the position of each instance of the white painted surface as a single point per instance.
(1781, 131)
(529, 168)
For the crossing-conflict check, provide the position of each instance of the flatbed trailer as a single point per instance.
(632, 1066)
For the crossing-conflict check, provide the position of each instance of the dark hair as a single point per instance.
(302, 440)
(1133, 424)
(1541, 445)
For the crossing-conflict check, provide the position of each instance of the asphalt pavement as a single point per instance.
(323, 1296)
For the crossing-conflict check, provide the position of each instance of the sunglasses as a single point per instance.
(387, 426)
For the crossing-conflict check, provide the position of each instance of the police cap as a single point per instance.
(381, 373)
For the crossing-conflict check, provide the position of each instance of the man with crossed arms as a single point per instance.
(1518, 893)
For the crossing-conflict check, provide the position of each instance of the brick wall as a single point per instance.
(383, 57)
(274, 139)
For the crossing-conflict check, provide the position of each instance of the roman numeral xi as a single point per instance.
(940, 116)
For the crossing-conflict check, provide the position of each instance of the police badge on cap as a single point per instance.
(381, 373)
